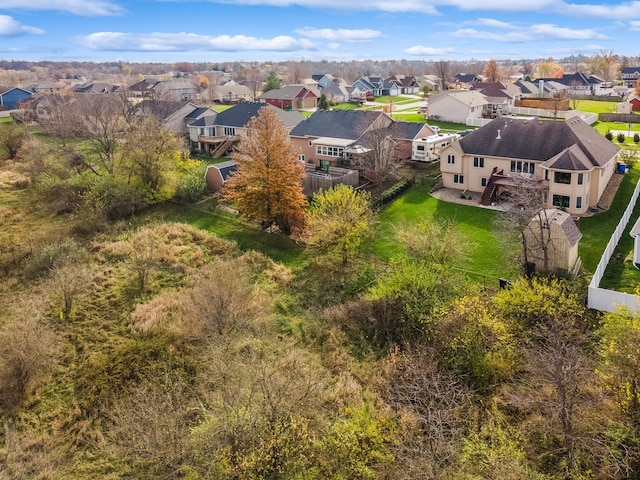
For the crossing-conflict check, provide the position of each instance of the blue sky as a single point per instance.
(335, 30)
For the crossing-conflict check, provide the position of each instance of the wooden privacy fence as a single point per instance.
(609, 300)
(619, 117)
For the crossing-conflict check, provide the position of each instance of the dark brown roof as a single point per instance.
(538, 140)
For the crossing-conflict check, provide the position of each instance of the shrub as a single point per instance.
(636, 138)
(621, 137)
(609, 136)
(392, 193)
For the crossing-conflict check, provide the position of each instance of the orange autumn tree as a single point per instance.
(267, 186)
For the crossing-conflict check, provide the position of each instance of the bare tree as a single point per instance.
(528, 219)
(63, 117)
(557, 394)
(435, 404)
(443, 71)
(381, 155)
(103, 124)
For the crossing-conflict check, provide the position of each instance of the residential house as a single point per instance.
(431, 82)
(635, 103)
(174, 116)
(552, 238)
(145, 88)
(406, 84)
(12, 97)
(575, 83)
(326, 80)
(390, 87)
(46, 88)
(94, 88)
(457, 106)
(464, 80)
(217, 174)
(371, 86)
(336, 93)
(292, 97)
(176, 91)
(527, 88)
(332, 137)
(501, 97)
(217, 134)
(232, 93)
(567, 160)
(356, 94)
(630, 75)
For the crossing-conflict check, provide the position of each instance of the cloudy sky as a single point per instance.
(276, 30)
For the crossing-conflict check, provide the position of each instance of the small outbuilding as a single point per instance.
(217, 174)
(552, 238)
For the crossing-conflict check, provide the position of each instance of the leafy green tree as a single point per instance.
(338, 220)
(272, 82)
(268, 183)
(323, 102)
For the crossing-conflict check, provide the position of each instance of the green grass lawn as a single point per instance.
(597, 230)
(486, 253)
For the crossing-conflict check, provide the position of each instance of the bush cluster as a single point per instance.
(392, 193)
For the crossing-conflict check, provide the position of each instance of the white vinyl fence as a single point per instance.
(609, 300)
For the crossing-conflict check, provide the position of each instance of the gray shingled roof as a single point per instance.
(538, 140)
(241, 114)
(572, 159)
(347, 124)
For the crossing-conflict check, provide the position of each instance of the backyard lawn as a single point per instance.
(487, 255)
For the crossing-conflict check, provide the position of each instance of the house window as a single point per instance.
(562, 177)
(546, 174)
(457, 178)
(301, 157)
(483, 182)
(420, 148)
(478, 162)
(329, 151)
(310, 144)
(202, 131)
(518, 166)
(561, 201)
(580, 179)
(578, 202)
(324, 165)
(229, 131)
(451, 159)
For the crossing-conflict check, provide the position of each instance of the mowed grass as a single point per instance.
(487, 254)
(597, 230)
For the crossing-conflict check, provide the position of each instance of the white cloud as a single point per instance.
(427, 51)
(627, 10)
(635, 25)
(345, 35)
(550, 31)
(178, 42)
(92, 8)
(9, 27)
(510, 37)
(490, 22)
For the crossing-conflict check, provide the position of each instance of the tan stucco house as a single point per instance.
(568, 159)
